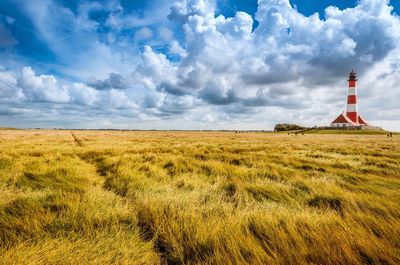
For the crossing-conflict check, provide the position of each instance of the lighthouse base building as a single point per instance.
(343, 121)
(351, 118)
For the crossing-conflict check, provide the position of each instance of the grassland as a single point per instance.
(105, 197)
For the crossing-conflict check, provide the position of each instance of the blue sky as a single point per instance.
(195, 64)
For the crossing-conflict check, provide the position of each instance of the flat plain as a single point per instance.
(143, 197)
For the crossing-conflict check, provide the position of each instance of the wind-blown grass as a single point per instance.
(198, 198)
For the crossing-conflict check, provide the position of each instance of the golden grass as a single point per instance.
(105, 197)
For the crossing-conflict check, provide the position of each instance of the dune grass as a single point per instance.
(103, 197)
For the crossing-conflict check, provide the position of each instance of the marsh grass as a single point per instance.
(198, 198)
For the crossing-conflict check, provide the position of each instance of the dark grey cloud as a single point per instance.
(7, 111)
(216, 96)
(172, 89)
(114, 81)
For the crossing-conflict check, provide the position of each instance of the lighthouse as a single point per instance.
(351, 118)
(352, 106)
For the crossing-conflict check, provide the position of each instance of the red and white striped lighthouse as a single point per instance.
(352, 107)
(351, 118)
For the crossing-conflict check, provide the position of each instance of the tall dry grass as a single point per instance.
(198, 198)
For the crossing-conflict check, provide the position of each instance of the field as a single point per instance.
(100, 197)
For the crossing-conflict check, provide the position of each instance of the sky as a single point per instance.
(196, 64)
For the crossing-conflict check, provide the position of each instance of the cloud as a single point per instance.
(165, 33)
(277, 96)
(43, 88)
(225, 62)
(9, 91)
(144, 34)
(82, 94)
(176, 49)
(115, 81)
(33, 88)
(176, 105)
(80, 43)
(217, 96)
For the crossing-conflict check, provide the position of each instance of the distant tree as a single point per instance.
(287, 127)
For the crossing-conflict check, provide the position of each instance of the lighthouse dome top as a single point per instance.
(352, 76)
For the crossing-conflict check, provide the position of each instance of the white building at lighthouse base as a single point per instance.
(342, 121)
